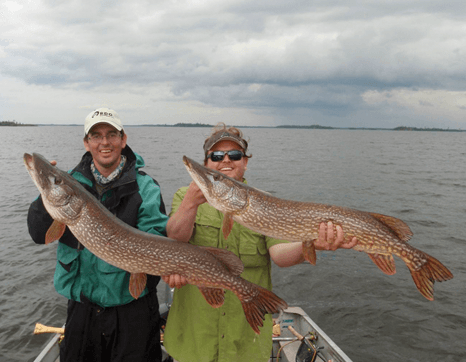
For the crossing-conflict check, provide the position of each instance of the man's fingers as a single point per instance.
(330, 232)
(340, 234)
(176, 281)
(322, 232)
(351, 243)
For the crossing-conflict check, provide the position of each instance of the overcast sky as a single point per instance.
(341, 63)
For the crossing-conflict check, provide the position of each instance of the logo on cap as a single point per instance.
(106, 114)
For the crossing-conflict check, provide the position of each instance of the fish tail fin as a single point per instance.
(432, 271)
(257, 306)
(309, 251)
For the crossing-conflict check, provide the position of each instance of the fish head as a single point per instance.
(58, 189)
(222, 192)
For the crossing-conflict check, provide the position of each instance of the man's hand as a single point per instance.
(174, 280)
(327, 241)
(194, 195)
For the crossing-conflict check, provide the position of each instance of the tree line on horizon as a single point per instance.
(314, 126)
(14, 124)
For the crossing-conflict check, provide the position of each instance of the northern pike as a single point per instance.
(380, 236)
(212, 270)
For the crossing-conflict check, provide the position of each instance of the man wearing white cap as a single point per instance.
(104, 322)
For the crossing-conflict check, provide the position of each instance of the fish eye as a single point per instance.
(217, 177)
(58, 181)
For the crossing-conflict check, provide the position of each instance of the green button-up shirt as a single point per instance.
(197, 332)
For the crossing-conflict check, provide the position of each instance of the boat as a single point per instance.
(296, 338)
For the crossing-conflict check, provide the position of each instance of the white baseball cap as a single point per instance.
(102, 115)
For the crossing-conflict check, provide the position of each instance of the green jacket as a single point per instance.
(195, 331)
(134, 198)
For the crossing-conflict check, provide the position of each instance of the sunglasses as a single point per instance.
(217, 156)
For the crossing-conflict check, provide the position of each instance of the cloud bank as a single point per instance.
(333, 63)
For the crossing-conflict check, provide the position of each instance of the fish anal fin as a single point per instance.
(309, 251)
(214, 296)
(227, 225)
(137, 284)
(425, 276)
(55, 232)
(399, 227)
(386, 263)
(227, 258)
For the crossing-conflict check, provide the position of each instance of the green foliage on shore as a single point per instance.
(314, 126)
(192, 125)
(14, 124)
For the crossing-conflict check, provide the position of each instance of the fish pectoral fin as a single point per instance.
(309, 251)
(228, 259)
(55, 232)
(214, 296)
(227, 225)
(386, 263)
(399, 227)
(137, 284)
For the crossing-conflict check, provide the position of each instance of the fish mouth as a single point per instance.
(39, 169)
(199, 173)
(192, 166)
(28, 161)
(186, 160)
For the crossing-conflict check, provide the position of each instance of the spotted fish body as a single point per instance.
(379, 236)
(140, 253)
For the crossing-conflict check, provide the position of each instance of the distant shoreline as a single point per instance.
(201, 125)
(15, 124)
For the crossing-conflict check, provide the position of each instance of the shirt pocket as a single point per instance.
(207, 231)
(66, 258)
(66, 270)
(253, 249)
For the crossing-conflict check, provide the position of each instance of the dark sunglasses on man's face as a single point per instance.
(217, 156)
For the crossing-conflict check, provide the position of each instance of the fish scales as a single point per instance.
(380, 236)
(140, 253)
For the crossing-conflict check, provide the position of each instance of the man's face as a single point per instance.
(233, 169)
(106, 152)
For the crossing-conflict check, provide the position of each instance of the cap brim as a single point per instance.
(113, 124)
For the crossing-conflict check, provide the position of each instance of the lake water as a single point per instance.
(419, 177)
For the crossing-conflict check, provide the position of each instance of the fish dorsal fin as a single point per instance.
(399, 227)
(137, 284)
(227, 258)
(386, 263)
(55, 232)
(213, 296)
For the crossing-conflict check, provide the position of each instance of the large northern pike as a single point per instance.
(140, 253)
(379, 236)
